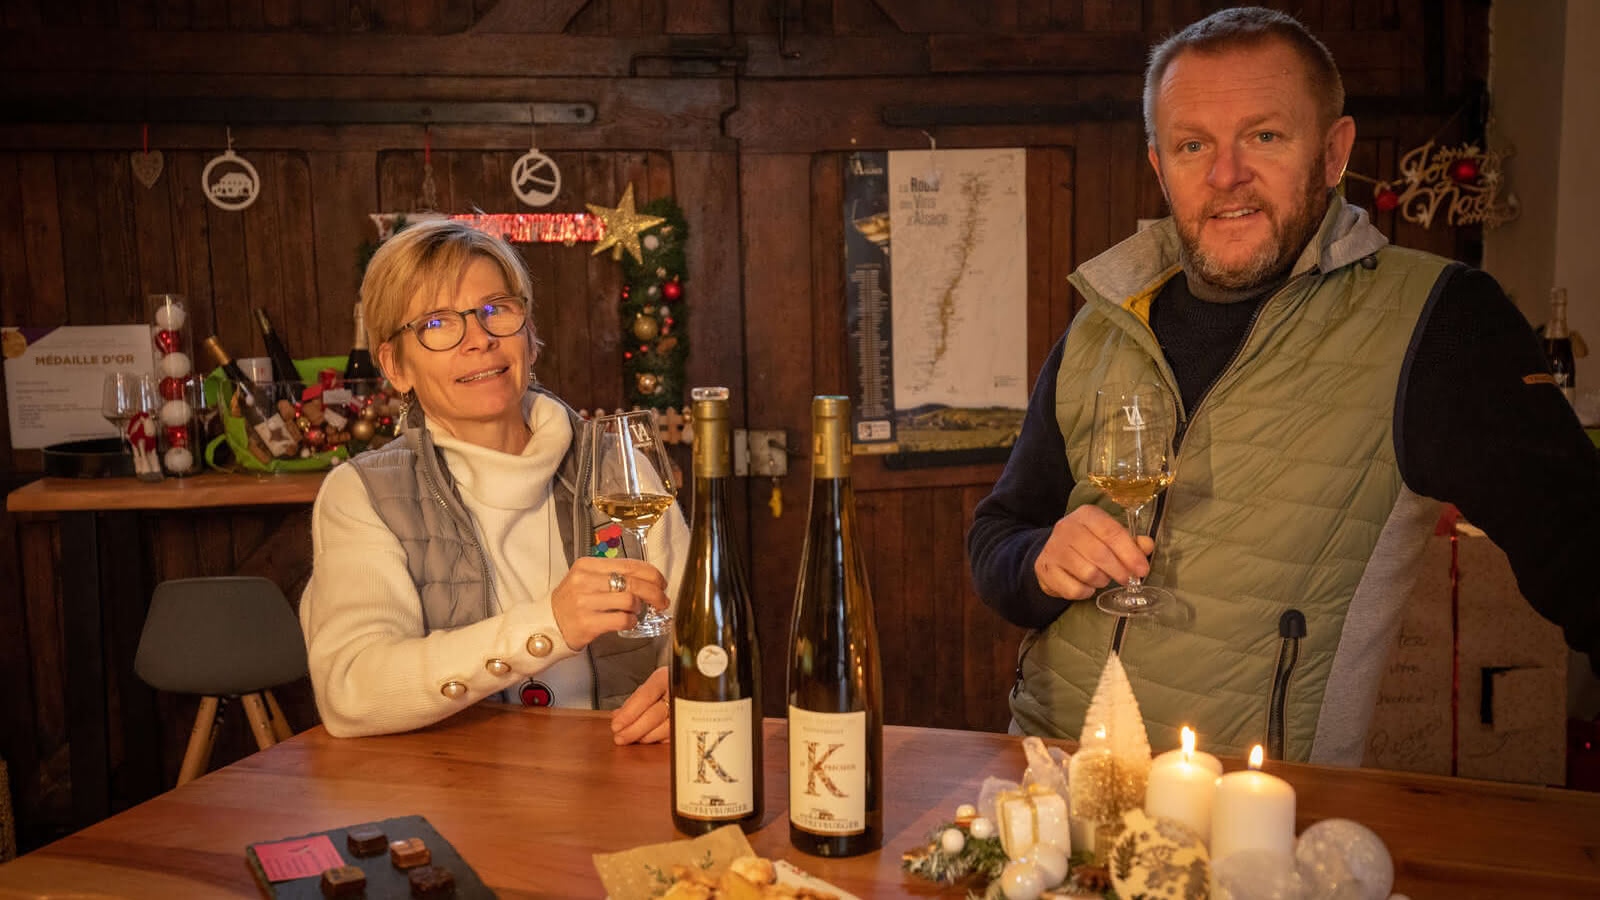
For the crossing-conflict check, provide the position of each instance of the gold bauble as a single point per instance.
(363, 429)
(648, 383)
(369, 413)
(646, 327)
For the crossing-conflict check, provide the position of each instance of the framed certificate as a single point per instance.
(53, 378)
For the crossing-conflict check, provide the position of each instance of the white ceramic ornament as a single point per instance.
(178, 459)
(175, 413)
(170, 317)
(651, 242)
(1257, 875)
(176, 365)
(1343, 860)
(981, 828)
(1021, 881)
(1051, 863)
(952, 840)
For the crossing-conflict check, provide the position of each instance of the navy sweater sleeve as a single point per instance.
(1011, 525)
(1511, 455)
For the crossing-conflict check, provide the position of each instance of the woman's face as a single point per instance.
(476, 386)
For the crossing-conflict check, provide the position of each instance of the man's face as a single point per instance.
(1244, 160)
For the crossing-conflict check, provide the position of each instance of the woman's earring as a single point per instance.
(533, 377)
(405, 406)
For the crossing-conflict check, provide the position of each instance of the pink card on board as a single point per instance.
(297, 858)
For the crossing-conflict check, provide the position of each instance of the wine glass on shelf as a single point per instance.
(124, 395)
(1130, 458)
(630, 481)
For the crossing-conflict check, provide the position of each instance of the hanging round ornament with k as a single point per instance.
(535, 177)
(230, 181)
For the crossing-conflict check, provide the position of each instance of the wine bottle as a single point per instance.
(1558, 345)
(256, 405)
(283, 369)
(835, 684)
(715, 670)
(359, 372)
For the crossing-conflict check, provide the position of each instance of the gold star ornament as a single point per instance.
(623, 226)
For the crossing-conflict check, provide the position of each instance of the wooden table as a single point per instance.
(528, 795)
(82, 502)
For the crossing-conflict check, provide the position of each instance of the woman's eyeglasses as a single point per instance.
(443, 329)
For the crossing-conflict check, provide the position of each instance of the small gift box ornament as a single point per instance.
(1032, 815)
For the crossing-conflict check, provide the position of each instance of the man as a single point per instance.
(1331, 389)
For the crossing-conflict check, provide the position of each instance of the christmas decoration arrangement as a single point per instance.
(1111, 822)
(174, 344)
(329, 421)
(1463, 183)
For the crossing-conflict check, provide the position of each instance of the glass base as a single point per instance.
(1134, 601)
(650, 624)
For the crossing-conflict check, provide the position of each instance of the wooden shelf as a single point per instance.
(198, 491)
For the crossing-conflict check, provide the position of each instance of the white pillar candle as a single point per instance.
(1252, 811)
(1182, 786)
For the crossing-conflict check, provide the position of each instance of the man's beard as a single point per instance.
(1276, 255)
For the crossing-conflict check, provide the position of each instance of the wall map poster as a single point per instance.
(938, 313)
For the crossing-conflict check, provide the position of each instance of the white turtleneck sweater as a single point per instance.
(373, 669)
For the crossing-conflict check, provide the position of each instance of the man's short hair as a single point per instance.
(1247, 26)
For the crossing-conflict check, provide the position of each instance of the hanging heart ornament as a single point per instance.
(147, 166)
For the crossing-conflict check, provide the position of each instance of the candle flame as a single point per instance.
(1100, 733)
(1188, 742)
(1256, 756)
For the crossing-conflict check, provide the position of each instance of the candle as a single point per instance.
(1252, 811)
(1182, 785)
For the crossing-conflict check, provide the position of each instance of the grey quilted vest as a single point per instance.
(413, 493)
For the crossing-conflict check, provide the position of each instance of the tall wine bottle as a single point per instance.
(256, 405)
(835, 684)
(359, 370)
(716, 662)
(1558, 344)
(283, 369)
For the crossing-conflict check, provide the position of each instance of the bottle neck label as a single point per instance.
(828, 771)
(714, 769)
(830, 449)
(711, 454)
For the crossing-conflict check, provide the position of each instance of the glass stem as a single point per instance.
(1134, 581)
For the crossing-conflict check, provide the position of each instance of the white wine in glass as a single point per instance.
(1130, 458)
(630, 482)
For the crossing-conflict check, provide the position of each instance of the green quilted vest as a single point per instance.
(1286, 495)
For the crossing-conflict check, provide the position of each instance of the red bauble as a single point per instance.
(1464, 170)
(672, 290)
(316, 437)
(172, 388)
(178, 436)
(168, 341)
(1386, 200)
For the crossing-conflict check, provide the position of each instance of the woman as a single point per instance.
(452, 565)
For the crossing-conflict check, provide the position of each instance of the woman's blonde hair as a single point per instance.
(428, 259)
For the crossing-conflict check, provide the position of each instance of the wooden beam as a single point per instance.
(529, 16)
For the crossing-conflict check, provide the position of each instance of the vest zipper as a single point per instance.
(1177, 439)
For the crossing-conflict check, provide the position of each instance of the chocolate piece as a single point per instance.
(366, 840)
(344, 881)
(409, 853)
(432, 881)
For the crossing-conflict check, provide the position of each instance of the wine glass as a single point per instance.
(630, 481)
(124, 395)
(1130, 458)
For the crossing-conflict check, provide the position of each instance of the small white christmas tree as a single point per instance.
(1108, 773)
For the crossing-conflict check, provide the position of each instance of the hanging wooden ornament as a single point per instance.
(535, 177)
(236, 183)
(147, 163)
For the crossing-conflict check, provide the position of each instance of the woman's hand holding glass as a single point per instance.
(588, 603)
(630, 481)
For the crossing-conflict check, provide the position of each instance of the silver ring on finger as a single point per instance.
(618, 583)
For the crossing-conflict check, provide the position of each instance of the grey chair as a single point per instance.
(222, 638)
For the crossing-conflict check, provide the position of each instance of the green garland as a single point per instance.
(655, 324)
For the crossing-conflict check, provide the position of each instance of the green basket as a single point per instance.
(219, 390)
